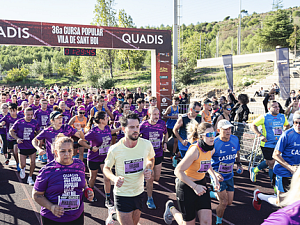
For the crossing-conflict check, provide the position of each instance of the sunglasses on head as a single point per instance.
(210, 134)
(81, 112)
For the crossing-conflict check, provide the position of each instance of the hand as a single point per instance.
(184, 142)
(219, 177)
(90, 195)
(57, 210)
(272, 91)
(263, 138)
(1, 125)
(200, 189)
(77, 126)
(105, 104)
(147, 174)
(119, 181)
(19, 141)
(293, 169)
(42, 151)
(95, 149)
(165, 147)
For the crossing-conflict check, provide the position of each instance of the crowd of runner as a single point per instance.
(124, 134)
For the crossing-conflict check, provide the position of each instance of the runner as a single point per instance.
(183, 144)
(133, 158)
(291, 109)
(50, 133)
(129, 99)
(36, 103)
(78, 102)
(272, 127)
(172, 115)
(153, 101)
(287, 156)
(59, 186)
(4, 109)
(226, 152)
(205, 114)
(51, 102)
(79, 121)
(23, 131)
(141, 111)
(115, 113)
(224, 115)
(24, 105)
(65, 113)
(42, 115)
(101, 106)
(123, 111)
(99, 136)
(191, 189)
(155, 131)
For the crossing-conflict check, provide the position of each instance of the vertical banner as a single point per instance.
(228, 67)
(282, 60)
(163, 81)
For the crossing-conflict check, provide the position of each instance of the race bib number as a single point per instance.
(204, 166)
(103, 150)
(133, 166)
(225, 168)
(44, 120)
(277, 131)
(155, 142)
(69, 202)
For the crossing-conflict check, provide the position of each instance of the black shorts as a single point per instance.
(27, 151)
(171, 133)
(267, 152)
(129, 204)
(188, 202)
(4, 140)
(10, 144)
(158, 160)
(115, 134)
(94, 165)
(79, 221)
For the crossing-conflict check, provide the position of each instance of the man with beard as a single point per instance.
(133, 158)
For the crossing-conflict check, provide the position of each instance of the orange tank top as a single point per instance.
(207, 117)
(82, 123)
(200, 166)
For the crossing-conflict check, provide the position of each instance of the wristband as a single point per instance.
(86, 191)
(91, 148)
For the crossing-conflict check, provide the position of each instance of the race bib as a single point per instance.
(133, 166)
(225, 168)
(155, 142)
(277, 131)
(103, 150)
(69, 202)
(27, 133)
(204, 166)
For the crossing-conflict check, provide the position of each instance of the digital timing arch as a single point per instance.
(27, 33)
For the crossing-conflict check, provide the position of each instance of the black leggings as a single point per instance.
(4, 143)
(79, 221)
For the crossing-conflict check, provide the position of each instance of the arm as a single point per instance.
(113, 131)
(277, 156)
(109, 174)
(168, 111)
(109, 113)
(84, 144)
(265, 102)
(14, 135)
(177, 125)
(216, 180)
(35, 143)
(72, 120)
(165, 141)
(255, 130)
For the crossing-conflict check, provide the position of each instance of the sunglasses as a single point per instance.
(228, 109)
(79, 102)
(81, 112)
(65, 95)
(208, 103)
(197, 111)
(295, 122)
(211, 134)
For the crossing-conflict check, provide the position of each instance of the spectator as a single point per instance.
(260, 93)
(240, 111)
(269, 97)
(289, 100)
(184, 98)
(138, 95)
(276, 87)
(291, 109)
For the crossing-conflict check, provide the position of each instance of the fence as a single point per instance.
(249, 144)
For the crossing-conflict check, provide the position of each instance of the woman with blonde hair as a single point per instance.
(191, 191)
(290, 214)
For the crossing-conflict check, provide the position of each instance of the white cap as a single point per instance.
(224, 124)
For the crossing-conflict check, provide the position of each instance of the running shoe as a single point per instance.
(7, 162)
(44, 158)
(256, 201)
(22, 173)
(1, 151)
(18, 168)
(252, 174)
(109, 219)
(168, 216)
(108, 203)
(214, 195)
(174, 161)
(150, 204)
(275, 190)
(30, 181)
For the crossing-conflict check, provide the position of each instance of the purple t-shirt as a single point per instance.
(154, 133)
(3, 129)
(68, 103)
(111, 105)
(141, 114)
(50, 134)
(21, 114)
(34, 107)
(132, 108)
(66, 116)
(42, 117)
(98, 138)
(88, 109)
(9, 122)
(63, 185)
(19, 101)
(288, 215)
(25, 130)
(117, 125)
(50, 107)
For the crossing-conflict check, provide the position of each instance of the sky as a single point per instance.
(144, 13)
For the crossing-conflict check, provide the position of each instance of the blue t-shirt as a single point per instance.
(224, 157)
(289, 146)
(171, 122)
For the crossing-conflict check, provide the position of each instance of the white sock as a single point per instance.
(268, 198)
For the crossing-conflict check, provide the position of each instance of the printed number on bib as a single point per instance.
(103, 150)
(155, 142)
(133, 166)
(204, 166)
(69, 202)
(225, 167)
(277, 131)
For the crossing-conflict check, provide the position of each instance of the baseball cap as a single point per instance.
(66, 93)
(207, 101)
(224, 124)
(54, 115)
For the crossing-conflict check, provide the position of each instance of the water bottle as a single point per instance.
(239, 171)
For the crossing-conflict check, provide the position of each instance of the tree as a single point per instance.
(105, 15)
(226, 18)
(294, 39)
(277, 4)
(277, 28)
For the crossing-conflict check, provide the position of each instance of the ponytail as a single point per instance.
(192, 131)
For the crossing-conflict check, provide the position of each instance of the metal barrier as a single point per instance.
(183, 108)
(249, 144)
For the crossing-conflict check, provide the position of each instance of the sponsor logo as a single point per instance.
(12, 32)
(163, 77)
(162, 61)
(141, 38)
(227, 66)
(164, 84)
(164, 89)
(282, 61)
(164, 100)
(222, 151)
(163, 69)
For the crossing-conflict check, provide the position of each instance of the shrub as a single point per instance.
(184, 72)
(15, 75)
(105, 82)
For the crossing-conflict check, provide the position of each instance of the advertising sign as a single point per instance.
(282, 60)
(228, 67)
